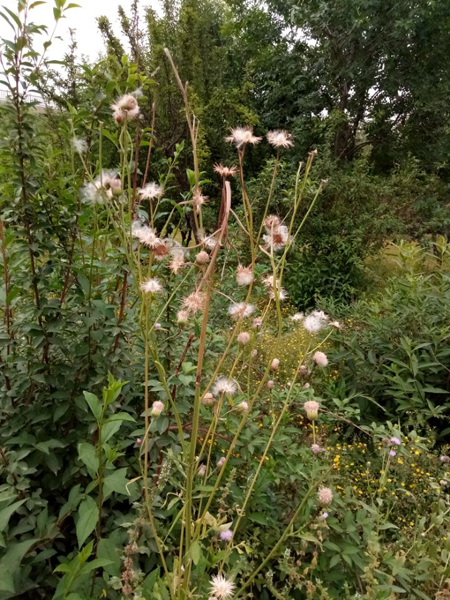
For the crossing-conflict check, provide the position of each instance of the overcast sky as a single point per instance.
(82, 19)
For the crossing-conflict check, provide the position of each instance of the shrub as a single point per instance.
(392, 357)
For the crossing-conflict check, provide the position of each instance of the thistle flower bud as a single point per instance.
(208, 399)
(270, 384)
(157, 408)
(202, 258)
(320, 358)
(243, 406)
(275, 364)
(312, 409)
(182, 317)
(243, 338)
(325, 496)
(221, 461)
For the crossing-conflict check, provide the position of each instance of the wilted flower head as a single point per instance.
(106, 185)
(241, 136)
(145, 235)
(209, 241)
(225, 171)
(177, 261)
(270, 282)
(208, 399)
(226, 536)
(325, 496)
(221, 587)
(79, 145)
(312, 409)
(257, 323)
(202, 258)
(223, 385)
(198, 199)
(125, 109)
(277, 239)
(160, 251)
(272, 223)
(315, 321)
(243, 406)
(151, 286)
(244, 275)
(157, 408)
(150, 191)
(280, 139)
(194, 302)
(297, 317)
(279, 293)
(336, 324)
(240, 310)
(320, 358)
(243, 338)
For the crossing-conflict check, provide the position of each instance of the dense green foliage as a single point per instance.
(119, 477)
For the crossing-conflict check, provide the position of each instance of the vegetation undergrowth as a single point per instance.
(172, 427)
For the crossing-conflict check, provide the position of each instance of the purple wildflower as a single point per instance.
(392, 453)
(226, 535)
(396, 441)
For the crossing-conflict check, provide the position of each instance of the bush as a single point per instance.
(392, 356)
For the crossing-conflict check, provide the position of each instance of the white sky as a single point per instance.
(82, 19)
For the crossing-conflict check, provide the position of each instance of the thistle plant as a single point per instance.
(199, 311)
(226, 392)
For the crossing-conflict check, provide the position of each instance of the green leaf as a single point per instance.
(258, 518)
(150, 581)
(110, 136)
(13, 557)
(14, 17)
(7, 582)
(110, 550)
(97, 563)
(116, 482)
(195, 551)
(6, 513)
(87, 453)
(94, 405)
(87, 519)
